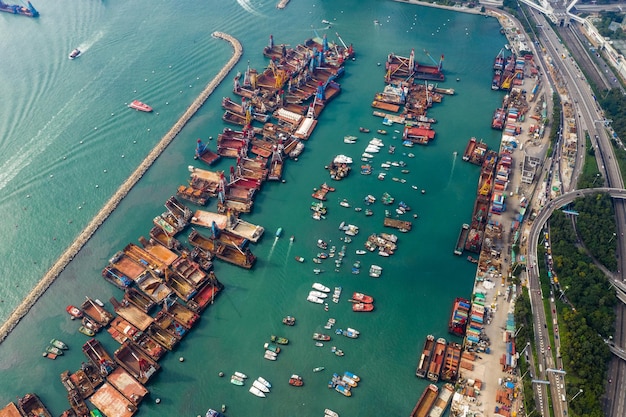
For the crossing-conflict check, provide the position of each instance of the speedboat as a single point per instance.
(260, 386)
(264, 382)
(360, 252)
(344, 203)
(320, 287)
(372, 149)
(317, 294)
(321, 337)
(75, 53)
(255, 391)
(269, 355)
(314, 299)
(241, 375)
(377, 142)
(330, 413)
(138, 105)
(236, 381)
(367, 155)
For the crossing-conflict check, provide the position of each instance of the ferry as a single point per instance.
(138, 105)
(422, 367)
(75, 53)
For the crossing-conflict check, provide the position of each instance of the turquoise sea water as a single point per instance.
(68, 141)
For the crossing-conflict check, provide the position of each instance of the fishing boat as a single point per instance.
(318, 369)
(320, 287)
(289, 320)
(74, 312)
(138, 105)
(86, 331)
(364, 130)
(362, 307)
(257, 392)
(321, 337)
(261, 387)
(362, 298)
(296, 381)
(75, 53)
(345, 390)
(58, 344)
(54, 350)
(279, 340)
(299, 259)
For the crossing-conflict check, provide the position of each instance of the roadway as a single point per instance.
(591, 120)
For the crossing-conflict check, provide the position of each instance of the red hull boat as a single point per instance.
(138, 105)
(74, 312)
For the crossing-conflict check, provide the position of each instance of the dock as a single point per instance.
(124, 189)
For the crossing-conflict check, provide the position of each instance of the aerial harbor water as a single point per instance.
(69, 142)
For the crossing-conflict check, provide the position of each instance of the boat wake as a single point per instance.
(269, 256)
(454, 155)
(84, 46)
(247, 6)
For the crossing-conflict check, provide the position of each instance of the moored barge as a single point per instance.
(31, 405)
(136, 362)
(451, 362)
(240, 257)
(426, 401)
(111, 402)
(96, 353)
(437, 361)
(443, 400)
(424, 362)
(97, 313)
(460, 242)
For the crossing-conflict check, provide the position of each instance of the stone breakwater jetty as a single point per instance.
(124, 189)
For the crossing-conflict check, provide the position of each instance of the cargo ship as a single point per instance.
(422, 367)
(426, 401)
(460, 242)
(482, 203)
(451, 362)
(442, 401)
(458, 318)
(28, 11)
(437, 361)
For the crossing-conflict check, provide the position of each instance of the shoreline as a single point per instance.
(55, 270)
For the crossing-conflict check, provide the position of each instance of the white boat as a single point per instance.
(271, 352)
(260, 386)
(352, 230)
(75, 53)
(269, 355)
(410, 155)
(257, 392)
(330, 413)
(344, 203)
(342, 159)
(375, 271)
(264, 382)
(370, 198)
(236, 378)
(377, 142)
(317, 271)
(349, 139)
(315, 300)
(372, 149)
(317, 294)
(355, 331)
(100, 303)
(360, 252)
(381, 176)
(320, 287)
(319, 344)
(367, 155)
(241, 375)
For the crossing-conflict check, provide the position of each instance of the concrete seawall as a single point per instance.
(124, 189)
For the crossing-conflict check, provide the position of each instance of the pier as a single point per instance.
(124, 189)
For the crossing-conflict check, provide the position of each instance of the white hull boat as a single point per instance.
(320, 287)
(367, 155)
(317, 294)
(257, 392)
(260, 386)
(377, 142)
(241, 375)
(264, 382)
(269, 355)
(315, 300)
(372, 149)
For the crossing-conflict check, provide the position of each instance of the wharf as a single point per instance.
(124, 189)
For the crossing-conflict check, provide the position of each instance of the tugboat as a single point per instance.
(75, 53)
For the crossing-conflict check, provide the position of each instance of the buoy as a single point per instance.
(148, 129)
(97, 186)
(27, 195)
(105, 171)
(423, 191)
(221, 374)
(134, 141)
(81, 142)
(122, 155)
(158, 401)
(181, 359)
(145, 79)
(64, 157)
(51, 175)
(284, 181)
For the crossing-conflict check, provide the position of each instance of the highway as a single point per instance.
(591, 120)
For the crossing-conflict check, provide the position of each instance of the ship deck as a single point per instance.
(205, 296)
(249, 231)
(111, 402)
(162, 253)
(129, 267)
(10, 410)
(134, 315)
(128, 386)
(206, 219)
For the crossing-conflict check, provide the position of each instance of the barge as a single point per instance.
(161, 336)
(240, 257)
(28, 11)
(139, 299)
(460, 242)
(136, 362)
(443, 400)
(96, 353)
(111, 402)
(437, 361)
(450, 370)
(401, 225)
(132, 313)
(205, 295)
(97, 313)
(128, 386)
(426, 401)
(31, 405)
(427, 352)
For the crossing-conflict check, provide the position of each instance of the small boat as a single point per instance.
(343, 390)
(54, 350)
(392, 149)
(375, 271)
(260, 386)
(321, 244)
(238, 378)
(138, 105)
(362, 307)
(264, 382)
(223, 408)
(326, 22)
(318, 369)
(296, 381)
(321, 337)
(236, 381)
(86, 331)
(271, 347)
(364, 130)
(360, 252)
(75, 53)
(314, 299)
(367, 155)
(213, 413)
(371, 149)
(58, 344)
(279, 232)
(279, 340)
(48, 355)
(349, 139)
(344, 203)
(289, 320)
(269, 355)
(368, 212)
(320, 287)
(100, 303)
(319, 344)
(299, 259)
(241, 375)
(317, 260)
(330, 413)
(352, 376)
(318, 294)
(257, 392)
(381, 131)
(317, 271)
(336, 351)
(74, 312)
